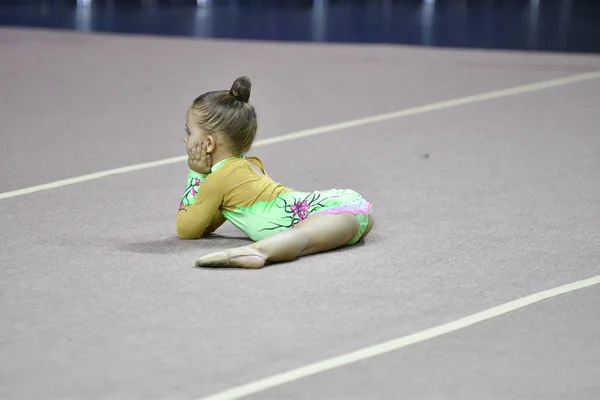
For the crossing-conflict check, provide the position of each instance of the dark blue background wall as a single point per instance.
(547, 25)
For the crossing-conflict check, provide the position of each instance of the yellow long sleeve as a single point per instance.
(203, 215)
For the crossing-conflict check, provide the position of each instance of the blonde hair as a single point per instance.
(228, 113)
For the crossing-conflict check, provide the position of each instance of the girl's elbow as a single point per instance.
(188, 234)
(185, 235)
(188, 231)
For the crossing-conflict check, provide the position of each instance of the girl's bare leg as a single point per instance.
(318, 233)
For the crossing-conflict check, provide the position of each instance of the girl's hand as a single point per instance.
(199, 160)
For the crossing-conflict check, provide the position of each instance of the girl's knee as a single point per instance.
(369, 226)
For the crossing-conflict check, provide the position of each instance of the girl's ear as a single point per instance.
(211, 143)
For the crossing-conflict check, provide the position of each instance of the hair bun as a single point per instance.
(241, 89)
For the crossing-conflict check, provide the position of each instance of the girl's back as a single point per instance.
(242, 186)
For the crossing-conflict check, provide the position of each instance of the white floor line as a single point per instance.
(322, 129)
(372, 351)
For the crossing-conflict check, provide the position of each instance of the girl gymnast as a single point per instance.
(283, 223)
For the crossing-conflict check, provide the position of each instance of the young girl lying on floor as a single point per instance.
(222, 185)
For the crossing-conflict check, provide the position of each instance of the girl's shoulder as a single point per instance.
(233, 164)
(236, 171)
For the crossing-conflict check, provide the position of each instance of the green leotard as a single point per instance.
(255, 203)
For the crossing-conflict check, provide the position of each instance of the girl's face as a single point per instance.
(193, 134)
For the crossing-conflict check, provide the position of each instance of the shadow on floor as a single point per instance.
(173, 244)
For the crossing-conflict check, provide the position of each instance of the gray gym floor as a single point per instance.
(476, 205)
